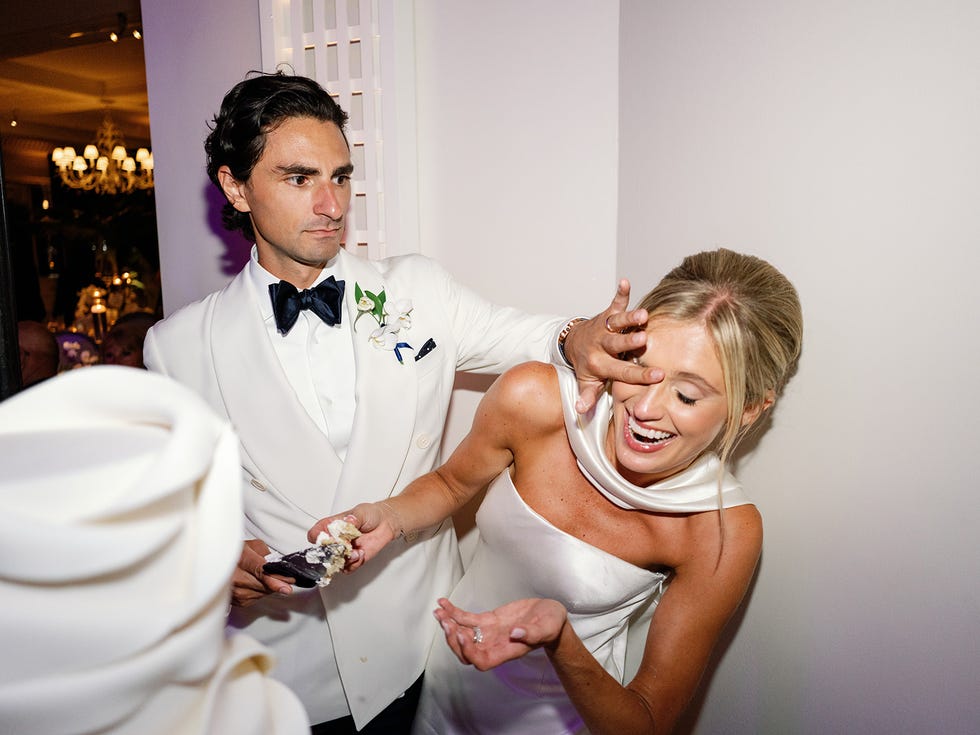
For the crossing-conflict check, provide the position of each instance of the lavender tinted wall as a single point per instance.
(195, 52)
(838, 140)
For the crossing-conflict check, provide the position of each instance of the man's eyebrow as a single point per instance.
(297, 169)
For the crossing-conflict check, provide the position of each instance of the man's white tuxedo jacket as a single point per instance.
(379, 619)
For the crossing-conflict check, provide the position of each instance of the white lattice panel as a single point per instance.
(337, 43)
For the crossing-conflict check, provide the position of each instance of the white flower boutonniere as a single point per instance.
(392, 319)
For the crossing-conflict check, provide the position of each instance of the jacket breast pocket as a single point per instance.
(430, 362)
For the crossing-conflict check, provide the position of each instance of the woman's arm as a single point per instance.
(704, 592)
(520, 406)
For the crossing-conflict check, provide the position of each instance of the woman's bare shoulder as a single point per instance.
(529, 393)
(732, 541)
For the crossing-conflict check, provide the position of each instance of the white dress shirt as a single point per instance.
(318, 359)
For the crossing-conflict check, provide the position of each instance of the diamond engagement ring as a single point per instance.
(477, 634)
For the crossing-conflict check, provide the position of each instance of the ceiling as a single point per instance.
(60, 73)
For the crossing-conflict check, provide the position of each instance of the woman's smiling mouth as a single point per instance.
(647, 437)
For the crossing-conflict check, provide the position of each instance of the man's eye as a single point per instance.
(686, 400)
(298, 179)
(341, 179)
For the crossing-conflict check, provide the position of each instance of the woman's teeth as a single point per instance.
(647, 435)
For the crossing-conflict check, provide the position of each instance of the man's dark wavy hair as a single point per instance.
(250, 110)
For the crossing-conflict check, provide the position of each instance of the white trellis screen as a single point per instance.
(338, 43)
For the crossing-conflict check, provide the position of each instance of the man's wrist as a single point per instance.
(563, 335)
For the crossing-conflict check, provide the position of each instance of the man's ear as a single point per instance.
(751, 414)
(234, 190)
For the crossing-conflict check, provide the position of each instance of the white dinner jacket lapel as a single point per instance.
(275, 431)
(387, 395)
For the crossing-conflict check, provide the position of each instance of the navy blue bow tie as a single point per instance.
(324, 300)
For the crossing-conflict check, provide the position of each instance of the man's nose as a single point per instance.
(330, 201)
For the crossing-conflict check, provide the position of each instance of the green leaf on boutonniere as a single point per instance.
(379, 305)
(370, 303)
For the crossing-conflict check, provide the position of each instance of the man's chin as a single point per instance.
(321, 251)
(327, 247)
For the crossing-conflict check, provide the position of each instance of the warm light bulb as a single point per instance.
(45, 204)
(129, 165)
(79, 164)
(91, 152)
(102, 164)
(113, 36)
(136, 34)
(142, 154)
(118, 153)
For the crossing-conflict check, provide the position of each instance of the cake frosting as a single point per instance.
(134, 482)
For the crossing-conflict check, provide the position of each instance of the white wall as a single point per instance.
(517, 140)
(839, 140)
(195, 52)
(517, 129)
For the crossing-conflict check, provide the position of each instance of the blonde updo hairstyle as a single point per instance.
(753, 315)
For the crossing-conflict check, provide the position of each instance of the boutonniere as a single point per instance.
(392, 318)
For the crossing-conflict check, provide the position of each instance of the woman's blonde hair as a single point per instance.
(753, 314)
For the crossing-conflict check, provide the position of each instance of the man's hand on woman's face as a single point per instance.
(594, 348)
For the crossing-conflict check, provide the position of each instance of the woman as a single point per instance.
(589, 521)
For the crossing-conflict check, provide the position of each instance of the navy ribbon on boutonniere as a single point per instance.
(398, 350)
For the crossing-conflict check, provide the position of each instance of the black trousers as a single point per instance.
(395, 719)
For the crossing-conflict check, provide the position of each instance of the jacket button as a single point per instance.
(423, 441)
(257, 485)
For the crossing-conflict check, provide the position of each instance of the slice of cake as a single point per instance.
(317, 564)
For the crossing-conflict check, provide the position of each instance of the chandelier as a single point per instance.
(105, 167)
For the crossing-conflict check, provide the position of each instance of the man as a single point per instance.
(123, 343)
(38, 352)
(345, 404)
